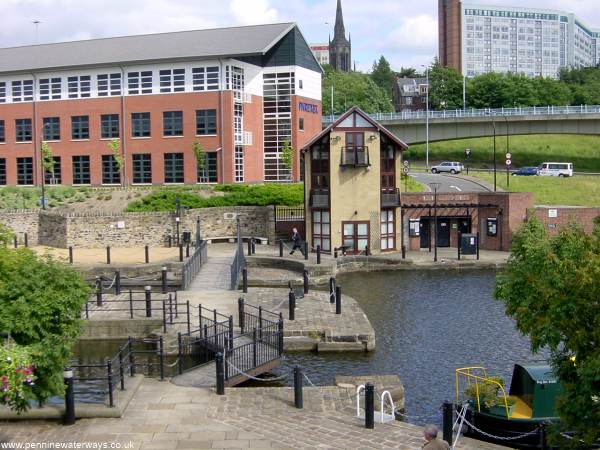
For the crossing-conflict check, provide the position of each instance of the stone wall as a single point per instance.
(52, 230)
(22, 221)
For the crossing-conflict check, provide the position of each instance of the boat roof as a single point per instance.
(539, 373)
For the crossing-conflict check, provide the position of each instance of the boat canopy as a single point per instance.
(538, 387)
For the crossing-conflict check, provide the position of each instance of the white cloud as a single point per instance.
(251, 12)
(419, 32)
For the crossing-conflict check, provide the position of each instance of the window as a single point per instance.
(109, 84)
(300, 85)
(387, 232)
(81, 169)
(25, 171)
(172, 80)
(206, 121)
(110, 170)
(139, 83)
(50, 88)
(205, 79)
(53, 176)
(80, 127)
(2, 171)
(208, 174)
(140, 124)
(79, 86)
(319, 167)
(2, 136)
(142, 168)
(51, 130)
(22, 91)
(239, 163)
(23, 130)
(301, 124)
(109, 126)
(355, 236)
(321, 230)
(173, 167)
(2, 92)
(173, 123)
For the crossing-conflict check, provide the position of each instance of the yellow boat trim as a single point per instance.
(478, 375)
(521, 410)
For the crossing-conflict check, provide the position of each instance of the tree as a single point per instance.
(287, 157)
(445, 87)
(383, 75)
(550, 287)
(408, 72)
(115, 147)
(353, 89)
(47, 158)
(40, 304)
(6, 235)
(200, 156)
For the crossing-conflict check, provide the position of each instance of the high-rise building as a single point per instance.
(321, 52)
(476, 39)
(340, 48)
(241, 92)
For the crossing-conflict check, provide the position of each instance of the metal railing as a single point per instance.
(390, 197)
(193, 265)
(289, 213)
(473, 113)
(250, 316)
(355, 155)
(239, 262)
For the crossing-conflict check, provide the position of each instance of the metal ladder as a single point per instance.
(383, 416)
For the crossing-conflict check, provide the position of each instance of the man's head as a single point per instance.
(430, 432)
(294, 230)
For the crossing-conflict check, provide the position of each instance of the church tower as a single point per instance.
(340, 49)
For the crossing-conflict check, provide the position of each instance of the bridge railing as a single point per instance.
(485, 112)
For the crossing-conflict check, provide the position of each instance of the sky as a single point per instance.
(404, 31)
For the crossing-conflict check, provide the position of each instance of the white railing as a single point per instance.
(486, 112)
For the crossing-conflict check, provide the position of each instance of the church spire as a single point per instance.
(339, 30)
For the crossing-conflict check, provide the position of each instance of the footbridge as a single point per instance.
(411, 126)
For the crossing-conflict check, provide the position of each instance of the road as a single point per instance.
(448, 183)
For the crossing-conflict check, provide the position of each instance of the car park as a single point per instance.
(448, 166)
(526, 172)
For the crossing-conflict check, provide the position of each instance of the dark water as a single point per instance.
(427, 324)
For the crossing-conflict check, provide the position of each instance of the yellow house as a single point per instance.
(352, 174)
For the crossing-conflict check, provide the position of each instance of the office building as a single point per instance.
(241, 92)
(321, 52)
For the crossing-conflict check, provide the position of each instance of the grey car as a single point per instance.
(447, 166)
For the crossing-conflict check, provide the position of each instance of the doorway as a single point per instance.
(443, 232)
(424, 232)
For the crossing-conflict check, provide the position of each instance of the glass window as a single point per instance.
(301, 124)
(172, 80)
(173, 167)
(208, 174)
(2, 92)
(81, 169)
(23, 130)
(109, 84)
(206, 121)
(140, 124)
(205, 78)
(80, 127)
(50, 88)
(321, 234)
(387, 231)
(25, 171)
(79, 86)
(53, 176)
(139, 83)
(22, 91)
(2, 171)
(2, 136)
(109, 126)
(51, 129)
(110, 170)
(173, 123)
(142, 168)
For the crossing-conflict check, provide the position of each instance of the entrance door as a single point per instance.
(464, 225)
(443, 232)
(355, 236)
(424, 232)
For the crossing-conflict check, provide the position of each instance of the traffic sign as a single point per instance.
(406, 163)
(508, 156)
(508, 162)
(405, 170)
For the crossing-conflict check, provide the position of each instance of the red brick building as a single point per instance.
(242, 93)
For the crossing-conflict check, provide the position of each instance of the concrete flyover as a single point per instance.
(410, 126)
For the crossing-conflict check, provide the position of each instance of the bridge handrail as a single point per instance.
(484, 112)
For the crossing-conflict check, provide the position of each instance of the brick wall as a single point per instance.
(20, 222)
(555, 217)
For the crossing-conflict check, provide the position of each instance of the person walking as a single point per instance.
(297, 241)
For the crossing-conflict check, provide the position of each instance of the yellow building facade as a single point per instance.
(352, 172)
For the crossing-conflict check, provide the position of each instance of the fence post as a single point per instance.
(148, 295)
(305, 280)
(180, 353)
(187, 250)
(121, 368)
(369, 406)
(161, 355)
(87, 310)
(180, 252)
(254, 352)
(118, 282)
(25, 240)
(146, 254)
(260, 323)
(70, 255)
(404, 252)
(220, 374)
(16, 241)
(164, 307)
(292, 305)
(111, 401)
(130, 304)
(170, 308)
(280, 333)
(249, 247)
(459, 242)
(318, 254)
(335, 254)
(69, 418)
(98, 291)
(332, 290)
(189, 323)
(306, 250)
(169, 241)
(253, 246)
(245, 280)
(108, 254)
(241, 314)
(298, 400)
(281, 248)
(447, 421)
(478, 246)
(164, 279)
(338, 299)
(131, 357)
(231, 333)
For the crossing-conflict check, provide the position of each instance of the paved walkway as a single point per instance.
(165, 416)
(215, 274)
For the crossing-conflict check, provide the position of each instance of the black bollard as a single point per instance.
(169, 241)
(281, 248)
(292, 305)
(16, 241)
(241, 318)
(118, 282)
(147, 254)
(369, 406)
(180, 252)
(447, 421)
(98, 291)
(164, 280)
(367, 252)
(478, 246)
(298, 400)
(332, 290)
(458, 246)
(245, 280)
(108, 254)
(70, 255)
(253, 246)
(335, 250)
(220, 363)
(306, 250)
(148, 295)
(338, 299)
(25, 240)
(543, 439)
(249, 247)
(187, 250)
(318, 254)
(305, 280)
(69, 418)
(404, 252)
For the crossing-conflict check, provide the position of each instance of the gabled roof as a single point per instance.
(181, 45)
(364, 115)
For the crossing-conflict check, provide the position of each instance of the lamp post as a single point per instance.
(507, 151)
(435, 187)
(427, 118)
(177, 215)
(494, 126)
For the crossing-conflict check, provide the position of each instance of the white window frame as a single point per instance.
(79, 86)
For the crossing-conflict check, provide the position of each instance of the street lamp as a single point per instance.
(494, 126)
(177, 215)
(435, 187)
(427, 117)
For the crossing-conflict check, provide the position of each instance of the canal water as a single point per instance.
(427, 324)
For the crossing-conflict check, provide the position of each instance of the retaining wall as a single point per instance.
(22, 221)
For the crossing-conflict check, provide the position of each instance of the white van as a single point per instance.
(555, 169)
